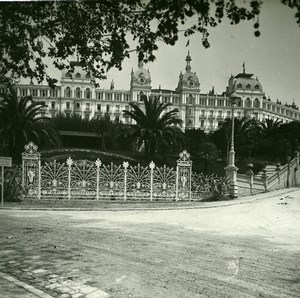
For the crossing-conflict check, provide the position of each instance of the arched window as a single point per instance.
(68, 92)
(190, 99)
(68, 75)
(140, 96)
(248, 103)
(239, 86)
(256, 86)
(88, 76)
(248, 86)
(78, 75)
(256, 103)
(88, 93)
(77, 93)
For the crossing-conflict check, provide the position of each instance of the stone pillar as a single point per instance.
(184, 177)
(31, 170)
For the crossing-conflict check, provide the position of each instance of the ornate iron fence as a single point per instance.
(93, 180)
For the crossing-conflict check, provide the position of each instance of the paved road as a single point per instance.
(245, 250)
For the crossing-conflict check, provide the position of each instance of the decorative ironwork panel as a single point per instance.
(54, 179)
(138, 182)
(83, 179)
(111, 181)
(31, 170)
(164, 183)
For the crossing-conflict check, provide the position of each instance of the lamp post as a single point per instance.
(231, 169)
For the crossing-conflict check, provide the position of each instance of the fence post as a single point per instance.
(69, 163)
(152, 166)
(288, 172)
(31, 170)
(125, 166)
(250, 174)
(264, 177)
(183, 176)
(98, 164)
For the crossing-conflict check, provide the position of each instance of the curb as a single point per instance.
(25, 286)
(243, 200)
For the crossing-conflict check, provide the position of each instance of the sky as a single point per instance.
(274, 57)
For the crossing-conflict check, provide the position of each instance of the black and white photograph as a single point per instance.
(150, 149)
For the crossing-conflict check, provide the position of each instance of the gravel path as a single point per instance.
(244, 250)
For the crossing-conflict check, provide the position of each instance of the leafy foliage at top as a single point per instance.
(99, 32)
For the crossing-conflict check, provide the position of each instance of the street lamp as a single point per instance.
(231, 169)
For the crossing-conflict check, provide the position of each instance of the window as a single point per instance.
(108, 96)
(239, 86)
(54, 93)
(88, 93)
(88, 106)
(202, 101)
(211, 123)
(118, 96)
(139, 96)
(211, 113)
(107, 109)
(202, 113)
(68, 114)
(219, 114)
(78, 75)
(77, 93)
(117, 119)
(68, 75)
(68, 106)
(256, 87)
(98, 107)
(220, 102)
(202, 123)
(77, 105)
(256, 103)
(33, 92)
(211, 102)
(88, 76)
(248, 103)
(52, 105)
(117, 108)
(248, 86)
(190, 99)
(228, 114)
(44, 93)
(23, 92)
(87, 116)
(68, 92)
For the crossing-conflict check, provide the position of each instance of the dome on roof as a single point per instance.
(141, 76)
(78, 73)
(189, 79)
(246, 83)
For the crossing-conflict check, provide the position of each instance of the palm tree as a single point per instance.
(153, 125)
(21, 122)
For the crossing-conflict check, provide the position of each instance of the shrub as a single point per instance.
(13, 189)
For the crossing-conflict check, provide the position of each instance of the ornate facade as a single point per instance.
(76, 94)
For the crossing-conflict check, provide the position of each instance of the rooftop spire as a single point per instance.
(141, 64)
(188, 60)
